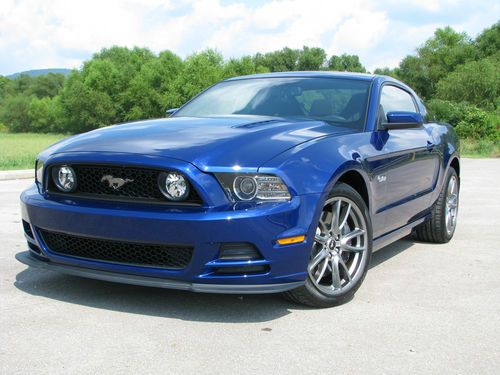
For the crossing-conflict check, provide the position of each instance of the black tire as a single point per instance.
(435, 230)
(309, 294)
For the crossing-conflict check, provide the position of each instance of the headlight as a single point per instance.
(173, 185)
(65, 178)
(247, 187)
(39, 172)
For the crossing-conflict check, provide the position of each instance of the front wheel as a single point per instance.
(341, 251)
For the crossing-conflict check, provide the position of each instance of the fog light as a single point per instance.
(65, 178)
(173, 185)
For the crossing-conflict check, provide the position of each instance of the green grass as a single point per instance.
(479, 149)
(19, 150)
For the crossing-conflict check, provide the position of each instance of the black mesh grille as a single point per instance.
(137, 254)
(142, 184)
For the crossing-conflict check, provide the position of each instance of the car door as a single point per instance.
(410, 159)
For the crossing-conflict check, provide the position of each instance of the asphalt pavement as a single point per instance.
(423, 308)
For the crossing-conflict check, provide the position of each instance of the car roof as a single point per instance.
(312, 74)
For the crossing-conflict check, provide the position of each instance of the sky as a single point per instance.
(64, 33)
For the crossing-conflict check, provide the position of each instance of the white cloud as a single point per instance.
(64, 33)
(360, 34)
(429, 5)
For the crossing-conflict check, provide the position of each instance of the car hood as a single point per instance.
(227, 141)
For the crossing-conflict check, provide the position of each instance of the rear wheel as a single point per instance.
(341, 252)
(441, 227)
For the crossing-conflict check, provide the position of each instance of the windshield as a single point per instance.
(337, 101)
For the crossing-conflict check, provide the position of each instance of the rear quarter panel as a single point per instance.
(448, 145)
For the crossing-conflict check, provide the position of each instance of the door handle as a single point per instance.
(430, 146)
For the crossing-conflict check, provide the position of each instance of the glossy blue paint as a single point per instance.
(203, 142)
(410, 118)
(403, 170)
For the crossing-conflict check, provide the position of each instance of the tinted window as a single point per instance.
(336, 101)
(394, 99)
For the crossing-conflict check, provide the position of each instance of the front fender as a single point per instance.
(315, 166)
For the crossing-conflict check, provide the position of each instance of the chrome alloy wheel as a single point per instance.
(451, 209)
(340, 247)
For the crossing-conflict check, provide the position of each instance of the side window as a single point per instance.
(395, 99)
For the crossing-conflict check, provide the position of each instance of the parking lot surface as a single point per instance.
(423, 308)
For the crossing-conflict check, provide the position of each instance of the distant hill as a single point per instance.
(40, 72)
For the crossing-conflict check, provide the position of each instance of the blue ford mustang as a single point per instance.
(281, 182)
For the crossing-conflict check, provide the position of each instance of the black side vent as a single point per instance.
(242, 270)
(34, 248)
(27, 229)
(239, 251)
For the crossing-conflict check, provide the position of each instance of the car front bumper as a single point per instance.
(204, 229)
(31, 260)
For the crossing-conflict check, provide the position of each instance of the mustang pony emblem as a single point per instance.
(115, 182)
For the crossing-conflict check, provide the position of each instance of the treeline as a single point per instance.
(459, 79)
(120, 84)
(457, 76)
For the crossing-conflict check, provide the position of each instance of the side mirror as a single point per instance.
(403, 120)
(171, 111)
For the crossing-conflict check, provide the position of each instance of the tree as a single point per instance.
(488, 42)
(85, 108)
(387, 72)
(45, 115)
(311, 59)
(4, 81)
(145, 96)
(200, 71)
(283, 60)
(288, 59)
(48, 85)
(451, 71)
(412, 71)
(242, 66)
(14, 113)
(110, 73)
(439, 56)
(103, 77)
(476, 82)
(19, 85)
(129, 60)
(344, 62)
(41, 86)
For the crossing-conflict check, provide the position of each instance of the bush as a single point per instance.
(477, 124)
(469, 121)
(446, 111)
